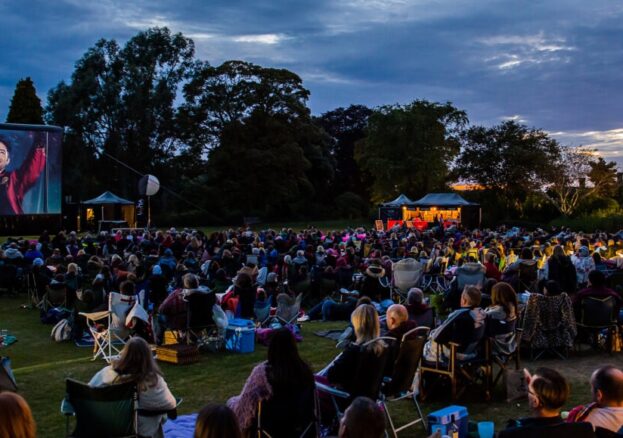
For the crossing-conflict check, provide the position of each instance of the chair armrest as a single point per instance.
(170, 413)
(96, 316)
(332, 390)
(67, 408)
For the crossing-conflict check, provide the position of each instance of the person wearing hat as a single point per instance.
(373, 285)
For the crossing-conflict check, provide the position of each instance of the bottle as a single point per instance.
(453, 429)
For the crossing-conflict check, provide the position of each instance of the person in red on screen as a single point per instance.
(15, 184)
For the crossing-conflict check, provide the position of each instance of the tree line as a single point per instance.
(239, 139)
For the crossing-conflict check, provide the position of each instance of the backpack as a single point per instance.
(61, 331)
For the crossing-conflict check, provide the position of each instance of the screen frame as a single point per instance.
(47, 129)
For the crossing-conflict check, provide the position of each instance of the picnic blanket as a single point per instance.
(330, 334)
(182, 427)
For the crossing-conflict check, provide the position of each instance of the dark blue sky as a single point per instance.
(552, 64)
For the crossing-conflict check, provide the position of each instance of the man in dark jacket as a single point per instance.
(398, 323)
(464, 326)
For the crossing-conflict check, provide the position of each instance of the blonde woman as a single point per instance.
(354, 369)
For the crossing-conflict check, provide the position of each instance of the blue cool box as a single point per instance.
(240, 336)
(443, 418)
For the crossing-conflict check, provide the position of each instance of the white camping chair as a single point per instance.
(406, 274)
(109, 328)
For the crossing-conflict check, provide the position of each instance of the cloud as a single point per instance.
(608, 143)
(515, 118)
(267, 38)
(514, 51)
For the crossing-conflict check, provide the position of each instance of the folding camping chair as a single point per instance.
(109, 328)
(199, 314)
(402, 385)
(406, 274)
(262, 314)
(549, 325)
(287, 416)
(108, 411)
(288, 313)
(368, 371)
(465, 372)
(502, 335)
(595, 316)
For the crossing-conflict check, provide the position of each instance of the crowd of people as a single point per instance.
(340, 275)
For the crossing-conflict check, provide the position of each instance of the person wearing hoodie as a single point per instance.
(584, 264)
(462, 327)
(12, 252)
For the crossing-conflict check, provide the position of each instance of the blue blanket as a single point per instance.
(182, 427)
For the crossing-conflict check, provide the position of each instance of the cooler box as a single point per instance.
(443, 418)
(240, 336)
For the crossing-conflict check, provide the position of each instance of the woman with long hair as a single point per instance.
(561, 269)
(502, 314)
(136, 364)
(15, 417)
(217, 421)
(503, 302)
(283, 376)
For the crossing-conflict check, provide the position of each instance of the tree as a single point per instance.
(568, 186)
(217, 96)
(263, 148)
(25, 104)
(409, 148)
(121, 102)
(258, 167)
(347, 126)
(508, 159)
(603, 176)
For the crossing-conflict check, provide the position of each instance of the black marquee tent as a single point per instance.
(442, 200)
(449, 207)
(393, 209)
(121, 210)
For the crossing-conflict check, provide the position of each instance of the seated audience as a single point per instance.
(398, 323)
(547, 393)
(172, 312)
(217, 421)
(419, 311)
(342, 372)
(502, 313)
(492, 270)
(606, 410)
(561, 269)
(373, 286)
(245, 293)
(16, 419)
(136, 364)
(597, 289)
(284, 378)
(362, 419)
(464, 326)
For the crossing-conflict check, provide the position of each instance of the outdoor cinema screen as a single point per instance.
(30, 169)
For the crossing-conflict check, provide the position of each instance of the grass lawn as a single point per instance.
(41, 366)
